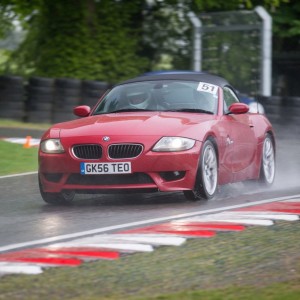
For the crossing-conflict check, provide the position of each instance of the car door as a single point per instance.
(240, 135)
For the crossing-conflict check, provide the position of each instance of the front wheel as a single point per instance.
(63, 198)
(207, 175)
(267, 168)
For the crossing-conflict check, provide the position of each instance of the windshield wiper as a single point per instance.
(192, 110)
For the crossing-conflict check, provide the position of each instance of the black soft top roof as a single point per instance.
(192, 76)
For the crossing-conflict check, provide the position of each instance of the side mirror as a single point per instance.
(238, 108)
(82, 111)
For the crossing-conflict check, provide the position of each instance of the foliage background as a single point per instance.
(113, 40)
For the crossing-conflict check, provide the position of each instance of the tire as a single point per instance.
(40, 106)
(90, 101)
(59, 117)
(11, 88)
(14, 114)
(93, 94)
(39, 117)
(41, 82)
(67, 92)
(206, 184)
(68, 83)
(64, 100)
(11, 81)
(12, 105)
(40, 99)
(95, 85)
(8, 92)
(63, 198)
(268, 164)
(37, 91)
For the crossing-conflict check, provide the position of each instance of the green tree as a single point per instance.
(108, 39)
(84, 39)
(168, 31)
(286, 19)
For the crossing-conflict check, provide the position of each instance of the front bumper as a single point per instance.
(160, 171)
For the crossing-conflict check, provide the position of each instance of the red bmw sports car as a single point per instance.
(184, 131)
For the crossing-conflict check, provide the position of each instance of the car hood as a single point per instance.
(135, 124)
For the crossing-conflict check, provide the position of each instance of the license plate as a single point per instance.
(105, 168)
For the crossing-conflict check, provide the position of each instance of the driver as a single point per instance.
(139, 99)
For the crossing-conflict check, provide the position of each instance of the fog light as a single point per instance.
(172, 175)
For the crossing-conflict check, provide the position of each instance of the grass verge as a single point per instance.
(19, 124)
(258, 263)
(14, 158)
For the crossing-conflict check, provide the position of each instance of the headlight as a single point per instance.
(52, 146)
(173, 144)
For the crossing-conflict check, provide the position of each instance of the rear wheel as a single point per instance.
(267, 168)
(63, 198)
(207, 176)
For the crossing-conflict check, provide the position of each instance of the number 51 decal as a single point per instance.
(208, 88)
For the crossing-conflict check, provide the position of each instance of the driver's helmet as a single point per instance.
(139, 99)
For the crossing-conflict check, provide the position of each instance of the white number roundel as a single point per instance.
(208, 88)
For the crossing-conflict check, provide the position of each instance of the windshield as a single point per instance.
(165, 95)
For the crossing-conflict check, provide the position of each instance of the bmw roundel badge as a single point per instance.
(106, 138)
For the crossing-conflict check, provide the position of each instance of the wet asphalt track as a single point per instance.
(24, 216)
